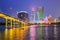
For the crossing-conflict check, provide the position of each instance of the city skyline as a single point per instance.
(29, 19)
(11, 7)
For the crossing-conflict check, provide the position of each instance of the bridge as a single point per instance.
(11, 21)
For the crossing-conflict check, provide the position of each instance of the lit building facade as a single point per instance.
(40, 12)
(23, 16)
(33, 15)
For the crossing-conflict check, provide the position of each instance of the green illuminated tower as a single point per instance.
(40, 13)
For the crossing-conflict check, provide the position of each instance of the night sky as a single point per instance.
(11, 7)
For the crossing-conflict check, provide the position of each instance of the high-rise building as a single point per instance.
(40, 12)
(23, 15)
(59, 18)
(32, 18)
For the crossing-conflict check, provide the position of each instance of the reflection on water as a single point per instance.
(50, 32)
(13, 34)
(10, 34)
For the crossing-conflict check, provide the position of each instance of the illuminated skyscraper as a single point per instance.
(40, 12)
(33, 15)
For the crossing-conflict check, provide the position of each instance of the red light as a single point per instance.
(33, 9)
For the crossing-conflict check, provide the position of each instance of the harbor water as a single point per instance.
(33, 32)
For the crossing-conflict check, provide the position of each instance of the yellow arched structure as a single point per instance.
(11, 19)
